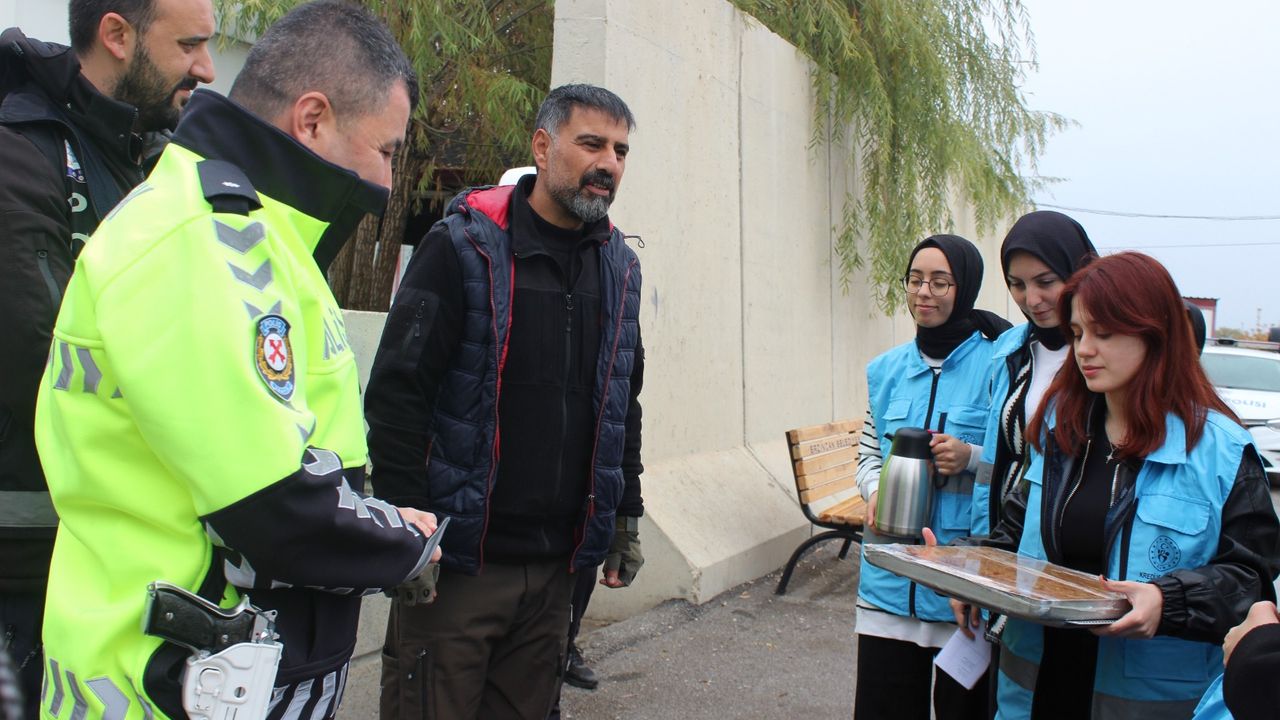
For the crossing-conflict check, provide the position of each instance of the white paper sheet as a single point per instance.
(964, 659)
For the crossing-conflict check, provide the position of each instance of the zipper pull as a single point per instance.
(417, 319)
(568, 301)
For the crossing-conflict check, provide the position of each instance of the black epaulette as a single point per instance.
(226, 188)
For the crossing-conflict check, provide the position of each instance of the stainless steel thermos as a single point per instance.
(905, 500)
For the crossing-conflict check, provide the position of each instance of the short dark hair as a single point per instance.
(560, 102)
(84, 17)
(333, 47)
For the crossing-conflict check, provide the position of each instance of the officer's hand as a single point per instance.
(624, 558)
(424, 521)
(420, 590)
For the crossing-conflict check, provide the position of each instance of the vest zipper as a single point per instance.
(604, 397)
(1123, 524)
(1079, 481)
(928, 418)
(933, 394)
(1061, 510)
(1124, 547)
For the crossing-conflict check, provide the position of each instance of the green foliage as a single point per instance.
(1238, 334)
(483, 67)
(930, 91)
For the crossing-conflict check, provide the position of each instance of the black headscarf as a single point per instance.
(1055, 240)
(966, 270)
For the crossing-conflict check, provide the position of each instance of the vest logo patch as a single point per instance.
(274, 356)
(1164, 554)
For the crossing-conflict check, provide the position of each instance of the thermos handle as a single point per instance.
(940, 480)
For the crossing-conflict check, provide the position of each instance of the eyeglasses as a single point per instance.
(937, 286)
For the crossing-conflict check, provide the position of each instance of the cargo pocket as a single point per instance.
(1171, 533)
(967, 422)
(953, 512)
(410, 320)
(404, 685)
(895, 416)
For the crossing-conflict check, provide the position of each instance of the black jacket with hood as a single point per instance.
(50, 202)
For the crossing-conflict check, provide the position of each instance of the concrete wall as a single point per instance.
(746, 328)
(44, 20)
(747, 332)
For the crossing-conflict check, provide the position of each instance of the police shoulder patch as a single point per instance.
(273, 356)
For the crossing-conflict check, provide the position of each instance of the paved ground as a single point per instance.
(747, 654)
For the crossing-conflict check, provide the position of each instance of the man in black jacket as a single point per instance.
(517, 318)
(72, 126)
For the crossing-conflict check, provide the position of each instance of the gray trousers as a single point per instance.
(491, 647)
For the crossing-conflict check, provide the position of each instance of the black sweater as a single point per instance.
(546, 409)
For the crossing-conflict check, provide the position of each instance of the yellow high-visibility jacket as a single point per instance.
(200, 419)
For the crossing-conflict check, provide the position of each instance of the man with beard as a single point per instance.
(72, 127)
(517, 317)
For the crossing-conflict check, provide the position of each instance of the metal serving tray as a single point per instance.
(1006, 582)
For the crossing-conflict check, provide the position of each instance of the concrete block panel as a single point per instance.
(786, 240)
(722, 514)
(680, 193)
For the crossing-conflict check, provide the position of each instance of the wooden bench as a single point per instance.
(824, 461)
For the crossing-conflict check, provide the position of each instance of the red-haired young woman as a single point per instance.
(1140, 473)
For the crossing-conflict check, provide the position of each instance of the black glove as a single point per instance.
(624, 559)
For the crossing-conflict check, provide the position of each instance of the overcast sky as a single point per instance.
(1178, 105)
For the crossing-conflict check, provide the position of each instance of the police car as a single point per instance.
(1247, 375)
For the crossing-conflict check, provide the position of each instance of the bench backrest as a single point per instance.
(824, 458)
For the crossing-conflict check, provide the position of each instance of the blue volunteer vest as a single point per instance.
(903, 392)
(1178, 521)
(1008, 343)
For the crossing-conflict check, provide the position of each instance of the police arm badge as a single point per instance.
(273, 356)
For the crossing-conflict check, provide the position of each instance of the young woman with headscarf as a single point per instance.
(938, 381)
(1139, 472)
(1040, 252)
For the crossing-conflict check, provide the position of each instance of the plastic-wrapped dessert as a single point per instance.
(1006, 582)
